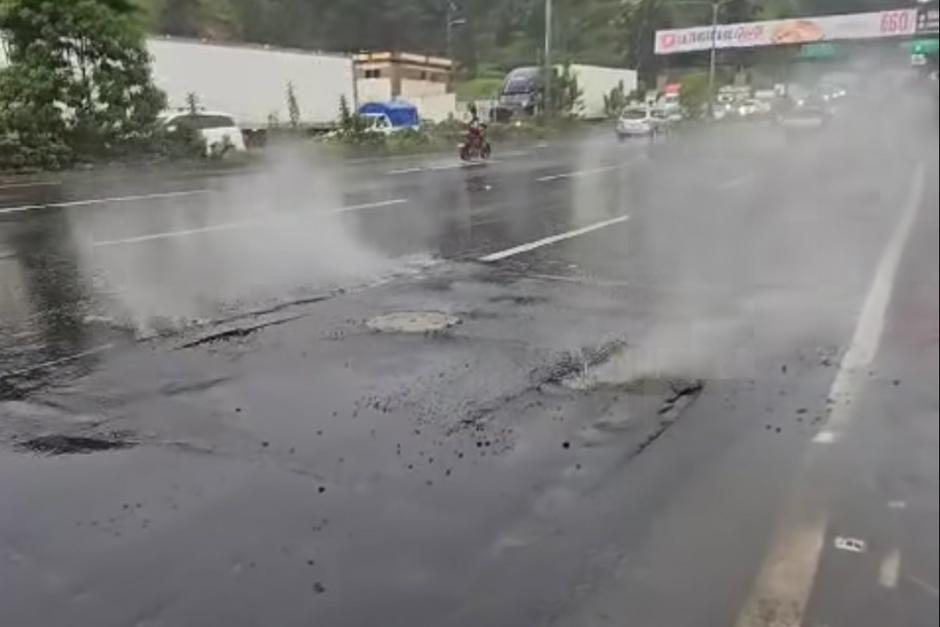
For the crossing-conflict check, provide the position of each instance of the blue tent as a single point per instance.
(399, 112)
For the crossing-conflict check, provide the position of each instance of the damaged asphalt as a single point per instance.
(349, 419)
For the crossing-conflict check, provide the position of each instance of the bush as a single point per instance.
(78, 83)
(693, 93)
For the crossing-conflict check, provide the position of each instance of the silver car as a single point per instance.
(638, 122)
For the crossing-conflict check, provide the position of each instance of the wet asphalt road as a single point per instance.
(680, 376)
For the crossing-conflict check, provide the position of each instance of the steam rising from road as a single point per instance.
(732, 285)
(272, 237)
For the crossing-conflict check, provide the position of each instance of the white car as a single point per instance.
(753, 107)
(638, 122)
(218, 130)
(380, 123)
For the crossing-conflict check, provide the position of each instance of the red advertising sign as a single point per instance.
(791, 31)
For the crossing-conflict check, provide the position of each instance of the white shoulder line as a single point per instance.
(785, 580)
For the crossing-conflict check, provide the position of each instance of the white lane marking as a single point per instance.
(898, 504)
(786, 577)
(868, 330)
(101, 201)
(440, 167)
(926, 586)
(404, 171)
(59, 361)
(890, 569)
(366, 205)
(825, 437)
(735, 182)
(509, 252)
(225, 226)
(29, 184)
(461, 164)
(577, 173)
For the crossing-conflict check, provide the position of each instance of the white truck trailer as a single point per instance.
(596, 82)
(249, 82)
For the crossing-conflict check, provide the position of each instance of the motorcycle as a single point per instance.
(474, 144)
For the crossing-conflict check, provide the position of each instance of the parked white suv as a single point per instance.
(218, 130)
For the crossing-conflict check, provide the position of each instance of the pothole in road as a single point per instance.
(72, 444)
(616, 367)
(413, 322)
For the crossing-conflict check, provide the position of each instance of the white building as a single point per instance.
(419, 79)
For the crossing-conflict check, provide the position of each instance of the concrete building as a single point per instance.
(422, 80)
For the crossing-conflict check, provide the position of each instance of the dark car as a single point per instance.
(807, 113)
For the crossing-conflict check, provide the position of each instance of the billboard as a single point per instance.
(789, 31)
(928, 19)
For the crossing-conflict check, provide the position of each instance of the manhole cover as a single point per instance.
(412, 322)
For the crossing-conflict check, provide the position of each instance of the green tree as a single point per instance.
(565, 92)
(192, 103)
(78, 83)
(615, 101)
(693, 92)
(640, 20)
(293, 107)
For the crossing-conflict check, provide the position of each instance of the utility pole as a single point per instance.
(715, 5)
(547, 91)
(448, 27)
(449, 22)
(711, 61)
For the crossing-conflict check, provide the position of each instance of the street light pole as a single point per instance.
(715, 5)
(449, 22)
(711, 61)
(547, 92)
(448, 27)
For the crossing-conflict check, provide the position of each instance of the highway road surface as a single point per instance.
(692, 383)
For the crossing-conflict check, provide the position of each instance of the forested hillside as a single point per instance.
(488, 33)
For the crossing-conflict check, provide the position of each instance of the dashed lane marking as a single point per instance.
(225, 226)
(890, 569)
(579, 173)
(733, 183)
(28, 184)
(102, 201)
(545, 241)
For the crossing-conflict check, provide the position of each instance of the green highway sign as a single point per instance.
(922, 46)
(818, 51)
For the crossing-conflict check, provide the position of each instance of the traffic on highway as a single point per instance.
(673, 366)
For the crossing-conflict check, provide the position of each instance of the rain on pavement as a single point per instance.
(586, 383)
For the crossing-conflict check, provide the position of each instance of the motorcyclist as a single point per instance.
(475, 128)
(475, 144)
